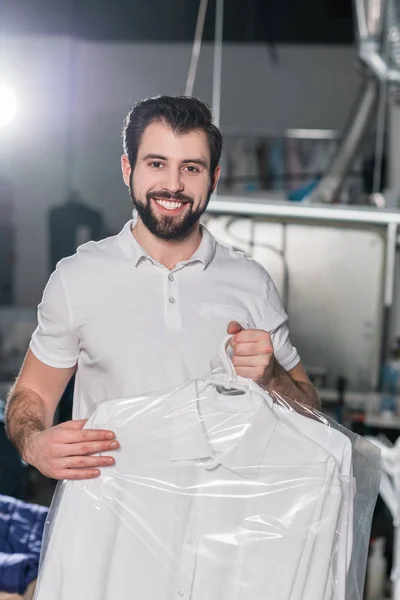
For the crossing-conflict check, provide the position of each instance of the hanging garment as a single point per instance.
(207, 499)
(341, 449)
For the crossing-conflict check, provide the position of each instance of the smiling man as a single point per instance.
(148, 309)
(170, 180)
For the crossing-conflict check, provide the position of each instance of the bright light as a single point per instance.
(8, 105)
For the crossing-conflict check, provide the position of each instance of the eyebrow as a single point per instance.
(196, 161)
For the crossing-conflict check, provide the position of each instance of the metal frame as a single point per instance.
(296, 211)
(289, 212)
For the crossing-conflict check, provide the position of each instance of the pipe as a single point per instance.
(219, 27)
(196, 48)
(360, 120)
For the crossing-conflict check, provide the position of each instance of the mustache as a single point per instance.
(179, 197)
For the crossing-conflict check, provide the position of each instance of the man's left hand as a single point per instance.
(253, 353)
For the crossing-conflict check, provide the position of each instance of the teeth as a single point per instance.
(169, 205)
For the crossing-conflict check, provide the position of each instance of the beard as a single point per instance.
(167, 228)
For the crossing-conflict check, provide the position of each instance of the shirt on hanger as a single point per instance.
(173, 518)
(339, 446)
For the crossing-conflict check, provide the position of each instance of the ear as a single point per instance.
(216, 177)
(126, 169)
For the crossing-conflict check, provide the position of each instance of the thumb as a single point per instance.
(78, 424)
(234, 327)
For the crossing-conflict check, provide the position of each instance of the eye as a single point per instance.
(156, 164)
(192, 169)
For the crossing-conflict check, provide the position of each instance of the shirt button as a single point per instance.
(172, 300)
(189, 541)
(181, 593)
(171, 277)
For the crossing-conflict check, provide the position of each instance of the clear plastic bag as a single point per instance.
(219, 491)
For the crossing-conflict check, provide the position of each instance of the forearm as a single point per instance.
(281, 385)
(25, 415)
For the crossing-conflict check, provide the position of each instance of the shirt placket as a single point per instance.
(189, 544)
(172, 300)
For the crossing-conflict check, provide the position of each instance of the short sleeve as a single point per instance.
(54, 342)
(273, 314)
(286, 354)
(275, 321)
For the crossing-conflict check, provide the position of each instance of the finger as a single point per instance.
(253, 373)
(86, 462)
(234, 327)
(84, 449)
(76, 436)
(254, 348)
(259, 360)
(77, 474)
(77, 424)
(251, 336)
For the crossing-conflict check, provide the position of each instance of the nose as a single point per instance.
(173, 181)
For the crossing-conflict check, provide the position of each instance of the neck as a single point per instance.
(167, 252)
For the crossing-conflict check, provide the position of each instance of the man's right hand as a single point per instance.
(64, 451)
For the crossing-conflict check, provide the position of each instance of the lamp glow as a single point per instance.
(8, 105)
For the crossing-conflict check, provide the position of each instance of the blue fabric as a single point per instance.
(302, 192)
(21, 532)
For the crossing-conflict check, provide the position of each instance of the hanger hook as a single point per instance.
(226, 360)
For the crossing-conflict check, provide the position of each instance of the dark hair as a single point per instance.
(183, 114)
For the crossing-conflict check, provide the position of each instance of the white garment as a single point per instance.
(225, 419)
(339, 446)
(172, 519)
(134, 327)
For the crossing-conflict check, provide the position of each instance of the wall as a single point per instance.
(310, 87)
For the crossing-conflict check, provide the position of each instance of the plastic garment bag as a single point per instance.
(219, 491)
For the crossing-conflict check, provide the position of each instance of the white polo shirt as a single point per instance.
(173, 519)
(132, 326)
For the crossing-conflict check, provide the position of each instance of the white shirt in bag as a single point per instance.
(337, 444)
(175, 519)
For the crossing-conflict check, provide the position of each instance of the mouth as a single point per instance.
(169, 207)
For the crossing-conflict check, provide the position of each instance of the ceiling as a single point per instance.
(245, 21)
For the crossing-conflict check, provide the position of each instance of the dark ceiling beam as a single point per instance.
(245, 21)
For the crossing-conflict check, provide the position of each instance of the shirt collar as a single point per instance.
(190, 441)
(206, 250)
(134, 251)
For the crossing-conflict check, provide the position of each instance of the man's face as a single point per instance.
(171, 183)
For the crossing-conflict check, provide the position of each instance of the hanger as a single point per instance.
(229, 370)
(229, 384)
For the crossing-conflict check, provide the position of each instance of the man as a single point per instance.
(148, 308)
